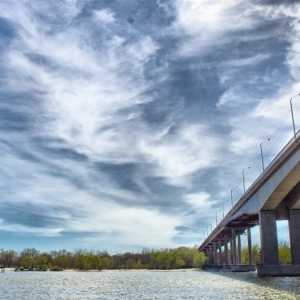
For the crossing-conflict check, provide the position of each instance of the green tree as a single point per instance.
(42, 262)
(179, 262)
(165, 259)
(62, 261)
(30, 254)
(154, 258)
(80, 262)
(199, 260)
(105, 262)
(138, 264)
(245, 255)
(188, 255)
(284, 253)
(27, 262)
(95, 262)
(255, 255)
(130, 263)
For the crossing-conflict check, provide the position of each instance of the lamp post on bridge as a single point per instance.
(293, 116)
(217, 217)
(231, 195)
(261, 154)
(223, 206)
(244, 179)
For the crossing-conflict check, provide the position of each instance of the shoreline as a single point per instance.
(114, 270)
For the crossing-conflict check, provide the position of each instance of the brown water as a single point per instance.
(145, 285)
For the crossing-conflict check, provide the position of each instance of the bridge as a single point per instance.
(274, 195)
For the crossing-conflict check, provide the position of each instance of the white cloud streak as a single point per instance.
(90, 89)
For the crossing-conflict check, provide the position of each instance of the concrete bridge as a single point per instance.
(275, 195)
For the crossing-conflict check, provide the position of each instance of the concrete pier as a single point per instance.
(268, 238)
(278, 270)
(220, 252)
(249, 245)
(211, 257)
(225, 250)
(233, 246)
(294, 227)
(215, 254)
(242, 268)
(231, 252)
(239, 254)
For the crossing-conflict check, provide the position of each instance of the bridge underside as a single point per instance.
(240, 224)
(284, 188)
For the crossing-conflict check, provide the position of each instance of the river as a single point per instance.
(145, 285)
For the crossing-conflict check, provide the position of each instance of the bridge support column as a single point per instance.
(268, 238)
(215, 254)
(231, 251)
(210, 255)
(233, 246)
(294, 226)
(220, 252)
(249, 246)
(226, 249)
(239, 260)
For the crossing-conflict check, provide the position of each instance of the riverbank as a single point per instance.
(95, 270)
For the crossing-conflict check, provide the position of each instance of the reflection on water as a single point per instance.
(145, 285)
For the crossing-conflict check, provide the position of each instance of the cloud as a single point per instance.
(50, 232)
(119, 119)
(104, 16)
(188, 150)
(212, 24)
(200, 201)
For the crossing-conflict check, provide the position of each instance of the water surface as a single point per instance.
(145, 285)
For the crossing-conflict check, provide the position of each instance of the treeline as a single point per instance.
(164, 259)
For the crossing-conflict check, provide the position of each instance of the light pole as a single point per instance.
(231, 195)
(244, 178)
(293, 115)
(207, 230)
(223, 207)
(217, 217)
(261, 154)
(210, 227)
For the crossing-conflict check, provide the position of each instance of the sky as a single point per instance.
(126, 123)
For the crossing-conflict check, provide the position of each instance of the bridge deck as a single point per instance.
(266, 193)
